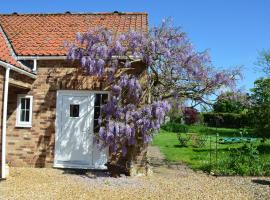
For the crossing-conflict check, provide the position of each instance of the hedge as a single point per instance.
(226, 120)
(175, 127)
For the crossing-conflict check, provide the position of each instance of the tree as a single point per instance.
(191, 115)
(260, 111)
(231, 103)
(137, 107)
(264, 61)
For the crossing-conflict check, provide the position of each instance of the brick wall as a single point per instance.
(34, 146)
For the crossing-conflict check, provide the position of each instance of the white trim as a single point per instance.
(41, 57)
(82, 92)
(136, 59)
(4, 125)
(16, 69)
(76, 166)
(18, 111)
(35, 65)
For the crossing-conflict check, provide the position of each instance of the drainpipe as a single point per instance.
(4, 124)
(35, 66)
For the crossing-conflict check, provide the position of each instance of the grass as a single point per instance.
(199, 158)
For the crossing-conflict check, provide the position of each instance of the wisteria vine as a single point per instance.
(174, 70)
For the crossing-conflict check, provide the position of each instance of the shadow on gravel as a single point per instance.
(156, 163)
(86, 173)
(261, 182)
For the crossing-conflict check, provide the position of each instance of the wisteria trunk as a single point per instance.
(139, 164)
(133, 164)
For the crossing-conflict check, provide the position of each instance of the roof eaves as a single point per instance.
(79, 13)
(8, 42)
(12, 52)
(16, 69)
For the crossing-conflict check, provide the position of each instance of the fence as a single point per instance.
(230, 155)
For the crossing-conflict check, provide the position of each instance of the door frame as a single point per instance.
(58, 121)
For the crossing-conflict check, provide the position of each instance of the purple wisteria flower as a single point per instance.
(174, 71)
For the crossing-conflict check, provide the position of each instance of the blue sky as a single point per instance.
(234, 31)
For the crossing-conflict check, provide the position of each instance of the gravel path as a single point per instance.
(169, 181)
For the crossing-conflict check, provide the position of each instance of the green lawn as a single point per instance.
(199, 158)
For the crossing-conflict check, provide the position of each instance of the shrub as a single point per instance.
(191, 115)
(183, 139)
(200, 141)
(231, 103)
(226, 120)
(175, 127)
(242, 161)
(176, 119)
(260, 111)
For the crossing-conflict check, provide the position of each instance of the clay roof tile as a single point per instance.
(45, 34)
(7, 57)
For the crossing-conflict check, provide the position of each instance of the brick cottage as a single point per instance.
(49, 107)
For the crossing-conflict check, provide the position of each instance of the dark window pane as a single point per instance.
(97, 99)
(74, 110)
(27, 115)
(100, 99)
(27, 100)
(104, 99)
(22, 103)
(96, 112)
(28, 63)
(96, 126)
(22, 117)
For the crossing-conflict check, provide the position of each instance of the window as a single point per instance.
(24, 111)
(28, 63)
(74, 110)
(100, 100)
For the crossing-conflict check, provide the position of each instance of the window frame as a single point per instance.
(20, 123)
(99, 106)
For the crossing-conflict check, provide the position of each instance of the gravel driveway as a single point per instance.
(169, 181)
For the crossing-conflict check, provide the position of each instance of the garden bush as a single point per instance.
(226, 120)
(176, 119)
(175, 127)
(260, 111)
(183, 139)
(191, 115)
(242, 161)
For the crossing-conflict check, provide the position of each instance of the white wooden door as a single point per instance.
(74, 146)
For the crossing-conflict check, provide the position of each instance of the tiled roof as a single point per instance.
(6, 55)
(45, 34)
